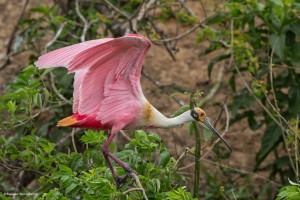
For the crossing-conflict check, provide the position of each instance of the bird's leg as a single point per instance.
(107, 155)
(104, 151)
(119, 180)
(110, 165)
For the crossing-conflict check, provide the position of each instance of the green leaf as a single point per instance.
(261, 7)
(254, 125)
(41, 9)
(191, 128)
(65, 169)
(242, 100)
(47, 95)
(140, 134)
(204, 34)
(76, 161)
(156, 185)
(65, 181)
(71, 187)
(277, 2)
(181, 110)
(53, 194)
(48, 147)
(207, 134)
(277, 42)
(48, 70)
(289, 192)
(12, 106)
(231, 82)
(293, 101)
(123, 155)
(174, 95)
(93, 137)
(37, 99)
(154, 137)
(164, 158)
(269, 141)
(26, 153)
(55, 175)
(215, 60)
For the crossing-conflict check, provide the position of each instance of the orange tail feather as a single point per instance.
(68, 121)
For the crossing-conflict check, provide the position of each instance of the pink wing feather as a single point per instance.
(63, 56)
(107, 76)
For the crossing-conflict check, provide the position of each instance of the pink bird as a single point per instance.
(108, 93)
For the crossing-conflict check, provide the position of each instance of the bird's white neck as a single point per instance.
(164, 122)
(154, 119)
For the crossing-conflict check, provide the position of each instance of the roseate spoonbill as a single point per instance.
(107, 90)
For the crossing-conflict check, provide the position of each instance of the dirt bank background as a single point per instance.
(188, 70)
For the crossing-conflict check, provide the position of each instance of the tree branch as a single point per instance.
(57, 34)
(12, 37)
(139, 188)
(86, 23)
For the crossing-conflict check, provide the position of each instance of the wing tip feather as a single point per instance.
(68, 121)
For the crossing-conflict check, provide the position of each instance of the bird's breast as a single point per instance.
(148, 114)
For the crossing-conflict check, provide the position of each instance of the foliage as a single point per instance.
(86, 176)
(289, 192)
(263, 40)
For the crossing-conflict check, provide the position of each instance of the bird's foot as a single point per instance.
(122, 180)
(129, 170)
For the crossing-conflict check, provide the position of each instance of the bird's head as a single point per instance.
(200, 116)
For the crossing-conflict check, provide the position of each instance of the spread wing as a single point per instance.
(107, 75)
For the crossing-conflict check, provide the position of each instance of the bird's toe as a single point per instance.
(129, 171)
(122, 180)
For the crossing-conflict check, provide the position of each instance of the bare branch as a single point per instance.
(139, 188)
(166, 44)
(66, 137)
(117, 9)
(73, 140)
(56, 91)
(51, 42)
(181, 158)
(17, 168)
(86, 23)
(125, 135)
(183, 4)
(12, 36)
(141, 12)
(159, 85)
(223, 43)
(132, 189)
(276, 109)
(274, 184)
(214, 89)
(178, 36)
(234, 169)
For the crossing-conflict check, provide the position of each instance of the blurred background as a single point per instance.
(239, 59)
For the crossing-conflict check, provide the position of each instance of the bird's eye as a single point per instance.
(195, 115)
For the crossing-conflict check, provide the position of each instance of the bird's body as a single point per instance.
(107, 91)
(147, 117)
